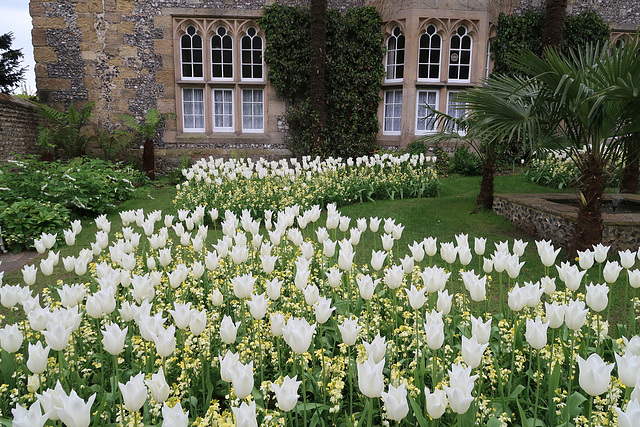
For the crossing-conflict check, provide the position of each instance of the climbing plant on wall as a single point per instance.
(517, 33)
(353, 77)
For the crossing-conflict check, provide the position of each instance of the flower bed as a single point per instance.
(269, 185)
(553, 170)
(319, 323)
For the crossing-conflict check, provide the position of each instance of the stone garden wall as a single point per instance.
(543, 218)
(18, 127)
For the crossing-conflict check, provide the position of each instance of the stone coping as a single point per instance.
(551, 203)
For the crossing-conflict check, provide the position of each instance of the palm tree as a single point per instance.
(500, 110)
(623, 80)
(587, 117)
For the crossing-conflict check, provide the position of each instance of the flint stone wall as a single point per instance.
(541, 217)
(19, 121)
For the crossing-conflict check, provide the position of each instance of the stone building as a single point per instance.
(202, 60)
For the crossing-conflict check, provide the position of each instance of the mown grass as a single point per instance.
(444, 217)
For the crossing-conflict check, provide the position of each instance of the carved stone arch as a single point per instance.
(183, 23)
(619, 38)
(213, 25)
(243, 26)
(493, 31)
(441, 26)
(391, 25)
(471, 26)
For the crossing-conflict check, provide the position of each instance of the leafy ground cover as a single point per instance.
(41, 197)
(219, 321)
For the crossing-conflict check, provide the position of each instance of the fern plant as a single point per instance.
(65, 131)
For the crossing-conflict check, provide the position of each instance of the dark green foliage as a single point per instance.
(287, 50)
(517, 33)
(580, 30)
(25, 220)
(465, 162)
(354, 76)
(443, 161)
(417, 147)
(39, 197)
(149, 127)
(65, 131)
(84, 185)
(10, 71)
(111, 142)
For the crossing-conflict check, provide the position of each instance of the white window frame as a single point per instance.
(253, 116)
(184, 115)
(392, 61)
(419, 108)
(252, 50)
(222, 50)
(486, 74)
(386, 115)
(213, 110)
(429, 64)
(186, 34)
(459, 52)
(455, 112)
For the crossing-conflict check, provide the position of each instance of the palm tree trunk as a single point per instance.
(485, 197)
(629, 182)
(556, 12)
(589, 226)
(317, 70)
(149, 159)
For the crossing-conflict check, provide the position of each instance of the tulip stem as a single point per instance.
(434, 373)
(204, 390)
(304, 391)
(590, 410)
(370, 413)
(115, 388)
(570, 386)
(350, 387)
(538, 383)
(502, 310)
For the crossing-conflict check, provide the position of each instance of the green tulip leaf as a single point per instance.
(575, 402)
(417, 411)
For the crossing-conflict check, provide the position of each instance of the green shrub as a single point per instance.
(83, 185)
(65, 131)
(417, 147)
(443, 161)
(353, 77)
(25, 220)
(517, 33)
(465, 162)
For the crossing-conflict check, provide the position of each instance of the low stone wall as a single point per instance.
(541, 216)
(18, 127)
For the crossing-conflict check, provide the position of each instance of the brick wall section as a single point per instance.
(18, 127)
